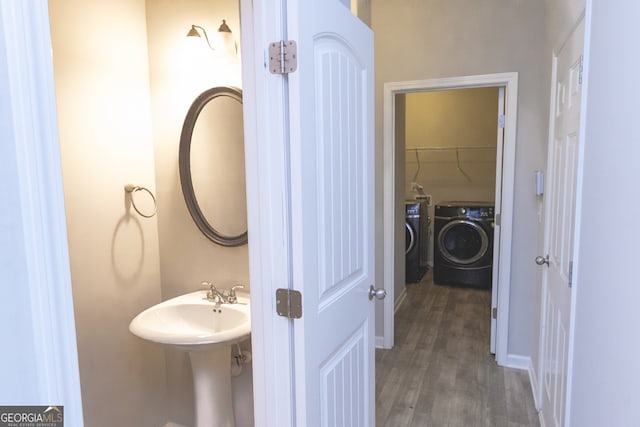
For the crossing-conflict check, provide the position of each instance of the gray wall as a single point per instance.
(606, 344)
(431, 39)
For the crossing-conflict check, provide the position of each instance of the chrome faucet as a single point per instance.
(213, 293)
(232, 298)
(224, 296)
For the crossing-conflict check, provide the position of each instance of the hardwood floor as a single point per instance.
(440, 372)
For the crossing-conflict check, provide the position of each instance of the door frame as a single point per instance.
(27, 72)
(510, 82)
(268, 212)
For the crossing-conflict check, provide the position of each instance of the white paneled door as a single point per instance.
(332, 213)
(559, 228)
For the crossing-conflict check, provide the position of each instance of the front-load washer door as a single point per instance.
(409, 239)
(462, 242)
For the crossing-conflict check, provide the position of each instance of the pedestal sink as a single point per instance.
(206, 330)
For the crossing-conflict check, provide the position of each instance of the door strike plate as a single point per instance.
(289, 303)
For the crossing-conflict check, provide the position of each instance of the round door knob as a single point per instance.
(541, 260)
(378, 293)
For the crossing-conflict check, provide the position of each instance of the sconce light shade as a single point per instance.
(224, 27)
(227, 42)
(193, 32)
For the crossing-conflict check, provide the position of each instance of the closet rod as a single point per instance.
(478, 147)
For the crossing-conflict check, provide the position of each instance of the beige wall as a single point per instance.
(362, 9)
(179, 72)
(125, 78)
(432, 39)
(448, 119)
(101, 78)
(177, 76)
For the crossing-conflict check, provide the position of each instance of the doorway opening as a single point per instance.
(393, 215)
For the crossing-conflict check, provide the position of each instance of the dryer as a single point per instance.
(463, 244)
(416, 240)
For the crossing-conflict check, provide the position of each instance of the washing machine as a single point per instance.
(416, 240)
(463, 244)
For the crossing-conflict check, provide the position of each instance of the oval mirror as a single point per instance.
(211, 163)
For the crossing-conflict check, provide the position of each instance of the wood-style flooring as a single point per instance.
(440, 372)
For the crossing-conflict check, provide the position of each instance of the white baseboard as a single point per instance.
(524, 362)
(172, 424)
(541, 418)
(379, 342)
(518, 362)
(398, 302)
(533, 378)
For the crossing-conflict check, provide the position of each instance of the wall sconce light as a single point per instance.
(228, 44)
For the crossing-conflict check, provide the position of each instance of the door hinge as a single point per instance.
(501, 121)
(289, 303)
(283, 57)
(496, 219)
(494, 312)
(570, 274)
(581, 67)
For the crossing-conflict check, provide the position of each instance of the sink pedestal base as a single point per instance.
(212, 386)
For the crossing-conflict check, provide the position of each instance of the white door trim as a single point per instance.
(32, 127)
(537, 391)
(510, 82)
(268, 213)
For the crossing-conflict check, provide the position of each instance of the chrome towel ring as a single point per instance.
(131, 189)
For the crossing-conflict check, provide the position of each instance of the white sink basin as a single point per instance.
(190, 322)
(206, 330)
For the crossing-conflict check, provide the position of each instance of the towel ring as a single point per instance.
(131, 188)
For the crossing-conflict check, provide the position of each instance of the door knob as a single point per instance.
(541, 260)
(378, 293)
